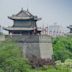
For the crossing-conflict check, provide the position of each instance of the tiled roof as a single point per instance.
(24, 15)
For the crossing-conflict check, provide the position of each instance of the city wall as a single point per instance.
(34, 45)
(2, 37)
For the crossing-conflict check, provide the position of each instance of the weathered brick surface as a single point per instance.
(35, 45)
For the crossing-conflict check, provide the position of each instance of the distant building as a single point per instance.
(70, 27)
(1, 30)
(2, 37)
(44, 30)
(55, 30)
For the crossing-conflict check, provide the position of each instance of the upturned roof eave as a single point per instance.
(23, 18)
(19, 18)
(70, 27)
(18, 28)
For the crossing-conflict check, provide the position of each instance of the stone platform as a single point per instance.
(39, 46)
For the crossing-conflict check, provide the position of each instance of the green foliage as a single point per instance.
(62, 47)
(51, 69)
(11, 59)
(67, 64)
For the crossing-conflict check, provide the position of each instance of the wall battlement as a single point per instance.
(30, 38)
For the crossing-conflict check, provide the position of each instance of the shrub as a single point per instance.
(11, 59)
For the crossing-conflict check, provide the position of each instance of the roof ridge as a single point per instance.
(20, 12)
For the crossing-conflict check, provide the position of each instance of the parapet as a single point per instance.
(31, 38)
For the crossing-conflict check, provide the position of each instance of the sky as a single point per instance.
(51, 11)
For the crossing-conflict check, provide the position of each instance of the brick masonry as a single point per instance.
(35, 45)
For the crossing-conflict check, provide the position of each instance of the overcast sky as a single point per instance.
(50, 11)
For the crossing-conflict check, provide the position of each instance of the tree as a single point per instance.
(11, 59)
(62, 47)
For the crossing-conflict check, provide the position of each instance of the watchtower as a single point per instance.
(25, 33)
(24, 23)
